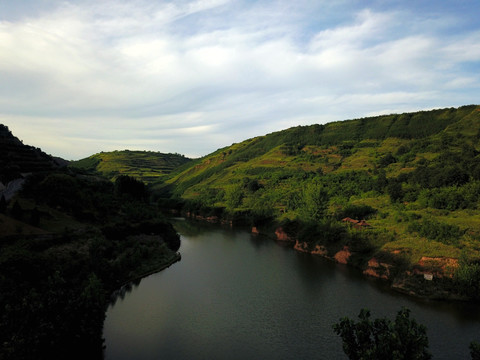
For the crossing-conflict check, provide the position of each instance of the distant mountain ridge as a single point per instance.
(147, 166)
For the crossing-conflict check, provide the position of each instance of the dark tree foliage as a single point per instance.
(387, 160)
(3, 205)
(251, 185)
(356, 212)
(321, 232)
(127, 185)
(17, 211)
(35, 217)
(54, 287)
(440, 175)
(347, 184)
(395, 191)
(467, 277)
(438, 231)
(401, 339)
(381, 181)
(475, 350)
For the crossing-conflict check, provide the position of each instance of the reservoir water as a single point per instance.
(239, 296)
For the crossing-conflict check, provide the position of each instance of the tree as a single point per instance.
(315, 201)
(3, 205)
(394, 190)
(402, 339)
(382, 181)
(234, 197)
(127, 185)
(387, 160)
(475, 350)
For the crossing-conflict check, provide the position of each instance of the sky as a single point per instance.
(192, 76)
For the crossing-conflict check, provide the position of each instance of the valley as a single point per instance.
(395, 196)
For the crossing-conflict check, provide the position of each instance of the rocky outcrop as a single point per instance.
(340, 257)
(318, 250)
(437, 266)
(282, 235)
(378, 269)
(343, 255)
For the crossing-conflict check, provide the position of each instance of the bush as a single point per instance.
(438, 231)
(356, 212)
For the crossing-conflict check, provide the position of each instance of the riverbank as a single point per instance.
(431, 278)
(56, 288)
(159, 267)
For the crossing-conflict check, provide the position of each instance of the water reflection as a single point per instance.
(237, 296)
(124, 290)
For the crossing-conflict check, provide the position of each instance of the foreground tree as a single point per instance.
(401, 339)
(475, 350)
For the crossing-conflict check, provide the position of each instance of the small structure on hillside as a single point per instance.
(428, 277)
(358, 224)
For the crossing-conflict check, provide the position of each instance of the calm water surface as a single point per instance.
(237, 296)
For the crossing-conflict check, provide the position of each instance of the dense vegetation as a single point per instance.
(401, 339)
(148, 166)
(414, 177)
(68, 240)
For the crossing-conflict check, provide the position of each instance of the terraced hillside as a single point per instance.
(415, 179)
(145, 165)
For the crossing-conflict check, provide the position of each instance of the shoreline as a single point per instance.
(174, 259)
(416, 281)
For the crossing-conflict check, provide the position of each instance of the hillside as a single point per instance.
(67, 241)
(17, 159)
(148, 166)
(414, 177)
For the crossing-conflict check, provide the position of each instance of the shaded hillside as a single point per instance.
(414, 177)
(145, 165)
(67, 241)
(17, 158)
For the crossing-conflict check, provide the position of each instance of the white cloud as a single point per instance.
(118, 73)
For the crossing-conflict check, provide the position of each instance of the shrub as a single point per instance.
(438, 231)
(356, 212)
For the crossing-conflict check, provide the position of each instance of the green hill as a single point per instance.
(389, 145)
(414, 177)
(145, 165)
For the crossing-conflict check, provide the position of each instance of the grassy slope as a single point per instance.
(284, 162)
(145, 165)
